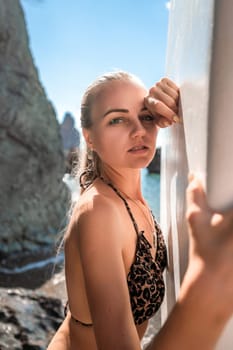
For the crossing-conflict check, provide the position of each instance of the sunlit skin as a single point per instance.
(124, 135)
(100, 240)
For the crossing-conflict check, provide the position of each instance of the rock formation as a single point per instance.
(34, 200)
(28, 319)
(154, 166)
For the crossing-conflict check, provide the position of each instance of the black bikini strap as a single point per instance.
(125, 202)
(80, 322)
(66, 309)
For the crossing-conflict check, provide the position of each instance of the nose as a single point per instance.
(138, 129)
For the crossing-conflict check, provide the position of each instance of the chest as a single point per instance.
(131, 227)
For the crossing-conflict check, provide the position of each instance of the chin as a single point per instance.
(140, 164)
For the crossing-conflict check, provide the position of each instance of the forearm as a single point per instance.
(197, 318)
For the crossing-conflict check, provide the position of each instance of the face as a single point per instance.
(123, 132)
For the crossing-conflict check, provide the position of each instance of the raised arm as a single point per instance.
(205, 303)
(162, 101)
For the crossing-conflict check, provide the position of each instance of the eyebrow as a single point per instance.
(121, 110)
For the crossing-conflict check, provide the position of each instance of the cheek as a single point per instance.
(110, 147)
(102, 142)
(154, 133)
(110, 143)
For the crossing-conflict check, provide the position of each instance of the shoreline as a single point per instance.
(32, 274)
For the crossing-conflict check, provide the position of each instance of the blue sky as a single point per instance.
(74, 41)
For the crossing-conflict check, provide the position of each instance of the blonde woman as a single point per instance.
(114, 249)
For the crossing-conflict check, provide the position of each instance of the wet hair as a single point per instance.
(90, 167)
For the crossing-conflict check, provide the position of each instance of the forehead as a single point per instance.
(121, 94)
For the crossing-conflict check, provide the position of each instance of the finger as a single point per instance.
(225, 218)
(162, 122)
(160, 109)
(222, 224)
(170, 83)
(195, 192)
(173, 93)
(164, 97)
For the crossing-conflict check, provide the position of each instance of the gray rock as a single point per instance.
(34, 200)
(28, 320)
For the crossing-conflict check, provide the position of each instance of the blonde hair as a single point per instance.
(90, 166)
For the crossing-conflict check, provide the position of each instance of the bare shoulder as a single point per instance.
(96, 215)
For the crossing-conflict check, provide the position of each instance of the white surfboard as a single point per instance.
(200, 61)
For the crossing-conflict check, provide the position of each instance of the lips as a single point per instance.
(138, 148)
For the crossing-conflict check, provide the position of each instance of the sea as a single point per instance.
(150, 190)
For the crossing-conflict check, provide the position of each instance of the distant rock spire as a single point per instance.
(34, 200)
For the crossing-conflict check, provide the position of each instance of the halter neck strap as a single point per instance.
(125, 202)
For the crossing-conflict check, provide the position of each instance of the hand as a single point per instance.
(162, 102)
(211, 242)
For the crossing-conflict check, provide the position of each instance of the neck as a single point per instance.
(127, 181)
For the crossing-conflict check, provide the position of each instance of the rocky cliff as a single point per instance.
(28, 319)
(34, 200)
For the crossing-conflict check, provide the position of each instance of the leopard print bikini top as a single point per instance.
(145, 278)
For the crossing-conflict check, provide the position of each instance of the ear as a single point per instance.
(88, 138)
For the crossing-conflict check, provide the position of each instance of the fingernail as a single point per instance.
(164, 124)
(177, 119)
(151, 100)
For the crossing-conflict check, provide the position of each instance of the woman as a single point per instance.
(114, 249)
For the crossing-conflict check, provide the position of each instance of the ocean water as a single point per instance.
(151, 191)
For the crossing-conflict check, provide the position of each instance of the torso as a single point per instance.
(145, 279)
(140, 255)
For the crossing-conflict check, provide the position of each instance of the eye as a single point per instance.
(116, 120)
(148, 118)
